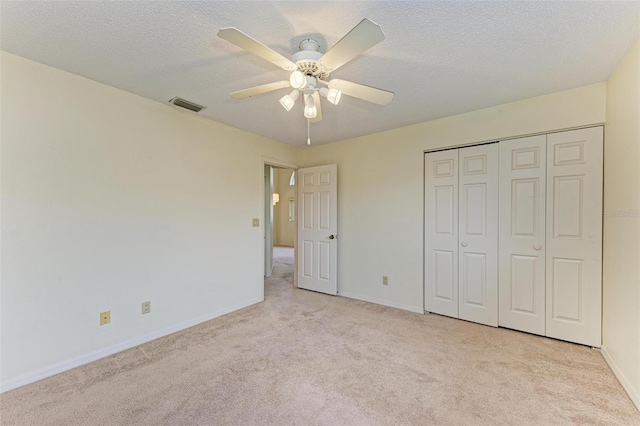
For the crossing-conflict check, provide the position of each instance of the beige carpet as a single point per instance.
(306, 358)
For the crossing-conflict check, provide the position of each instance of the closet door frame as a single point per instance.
(568, 238)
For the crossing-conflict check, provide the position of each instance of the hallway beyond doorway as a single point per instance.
(283, 269)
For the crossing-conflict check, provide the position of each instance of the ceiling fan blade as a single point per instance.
(316, 102)
(240, 39)
(361, 38)
(360, 91)
(258, 90)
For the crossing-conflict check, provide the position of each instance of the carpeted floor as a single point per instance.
(306, 358)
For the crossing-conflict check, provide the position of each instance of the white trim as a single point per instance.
(416, 309)
(278, 163)
(43, 373)
(269, 161)
(634, 395)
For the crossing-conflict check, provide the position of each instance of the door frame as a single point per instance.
(267, 222)
(268, 161)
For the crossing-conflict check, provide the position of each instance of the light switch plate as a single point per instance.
(256, 222)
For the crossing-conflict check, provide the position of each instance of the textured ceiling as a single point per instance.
(440, 58)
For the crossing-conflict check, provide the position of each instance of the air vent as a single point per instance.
(186, 104)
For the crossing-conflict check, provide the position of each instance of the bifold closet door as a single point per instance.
(574, 236)
(441, 232)
(478, 234)
(461, 233)
(523, 169)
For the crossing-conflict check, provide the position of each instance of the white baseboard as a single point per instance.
(409, 308)
(43, 373)
(626, 384)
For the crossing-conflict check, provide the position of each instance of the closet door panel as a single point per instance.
(522, 234)
(441, 232)
(478, 239)
(574, 236)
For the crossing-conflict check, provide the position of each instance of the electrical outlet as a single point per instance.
(146, 307)
(105, 317)
(256, 222)
(385, 280)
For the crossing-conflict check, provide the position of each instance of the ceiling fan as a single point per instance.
(310, 69)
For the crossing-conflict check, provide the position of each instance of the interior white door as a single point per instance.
(478, 234)
(574, 236)
(318, 228)
(441, 232)
(523, 169)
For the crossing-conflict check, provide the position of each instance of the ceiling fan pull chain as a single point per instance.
(308, 132)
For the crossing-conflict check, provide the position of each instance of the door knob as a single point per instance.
(463, 244)
(537, 247)
(331, 237)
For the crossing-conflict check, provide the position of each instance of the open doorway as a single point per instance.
(280, 282)
(279, 225)
(315, 251)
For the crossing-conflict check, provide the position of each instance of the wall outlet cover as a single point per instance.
(146, 307)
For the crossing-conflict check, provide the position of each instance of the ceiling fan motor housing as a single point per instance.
(307, 59)
(309, 45)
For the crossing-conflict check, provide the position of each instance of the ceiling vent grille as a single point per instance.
(182, 103)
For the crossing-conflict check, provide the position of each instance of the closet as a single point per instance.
(513, 234)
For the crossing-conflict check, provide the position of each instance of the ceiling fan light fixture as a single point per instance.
(310, 110)
(332, 95)
(287, 101)
(298, 80)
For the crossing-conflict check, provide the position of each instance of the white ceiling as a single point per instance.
(440, 58)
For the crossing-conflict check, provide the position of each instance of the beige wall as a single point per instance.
(621, 254)
(108, 200)
(380, 186)
(284, 229)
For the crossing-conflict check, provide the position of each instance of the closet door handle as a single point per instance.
(537, 247)
(463, 244)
